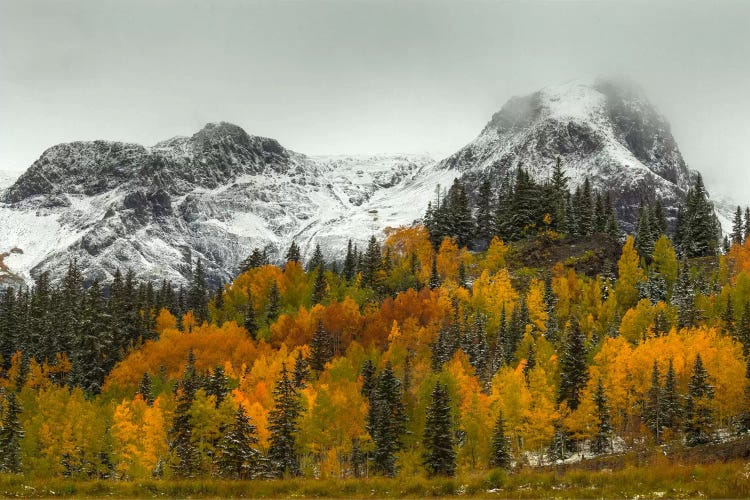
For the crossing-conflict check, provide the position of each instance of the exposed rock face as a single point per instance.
(221, 192)
(606, 131)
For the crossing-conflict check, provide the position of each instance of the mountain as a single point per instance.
(606, 131)
(214, 196)
(220, 192)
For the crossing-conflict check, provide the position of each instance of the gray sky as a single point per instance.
(362, 76)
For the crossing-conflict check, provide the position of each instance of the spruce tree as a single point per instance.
(319, 286)
(274, 303)
(250, 324)
(501, 455)
(738, 228)
(237, 457)
(321, 348)
(652, 405)
(744, 419)
(301, 371)
(257, 258)
(602, 442)
(198, 294)
(698, 412)
(372, 264)
(350, 263)
(369, 380)
(573, 368)
(439, 457)
(317, 261)
(283, 426)
(434, 276)
(671, 410)
(747, 223)
(145, 389)
(386, 421)
(293, 253)
(187, 459)
(11, 434)
(217, 385)
(485, 227)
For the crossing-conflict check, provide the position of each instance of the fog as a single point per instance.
(363, 76)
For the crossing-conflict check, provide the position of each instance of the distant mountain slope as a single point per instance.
(607, 131)
(213, 196)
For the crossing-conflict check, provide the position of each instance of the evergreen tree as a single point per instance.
(586, 210)
(198, 294)
(602, 442)
(671, 410)
(317, 261)
(372, 264)
(747, 223)
(11, 434)
(319, 286)
(95, 348)
(187, 459)
(434, 276)
(386, 421)
(501, 455)
(250, 324)
(369, 380)
(439, 457)
(744, 419)
(652, 406)
(698, 412)
(321, 348)
(350, 263)
(274, 303)
(683, 297)
(145, 389)
(257, 258)
(301, 371)
(237, 457)
(738, 229)
(9, 327)
(485, 227)
(573, 369)
(293, 254)
(217, 385)
(646, 233)
(698, 232)
(283, 426)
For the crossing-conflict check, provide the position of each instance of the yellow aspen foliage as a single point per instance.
(537, 308)
(664, 260)
(165, 321)
(139, 434)
(494, 259)
(492, 293)
(630, 276)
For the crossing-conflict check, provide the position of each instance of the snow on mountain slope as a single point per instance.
(212, 196)
(606, 131)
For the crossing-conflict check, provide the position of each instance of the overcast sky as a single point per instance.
(362, 76)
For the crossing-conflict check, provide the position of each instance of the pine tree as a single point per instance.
(187, 460)
(283, 426)
(586, 210)
(350, 263)
(237, 457)
(434, 276)
(386, 421)
(293, 253)
(501, 455)
(653, 405)
(9, 327)
(602, 442)
(738, 229)
(198, 294)
(11, 434)
(96, 350)
(317, 261)
(257, 258)
(369, 380)
(145, 389)
(274, 303)
(219, 303)
(217, 385)
(573, 369)
(698, 412)
(744, 419)
(301, 371)
(747, 223)
(485, 227)
(439, 457)
(683, 296)
(250, 324)
(320, 287)
(372, 264)
(671, 410)
(321, 348)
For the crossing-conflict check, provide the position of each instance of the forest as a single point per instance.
(439, 351)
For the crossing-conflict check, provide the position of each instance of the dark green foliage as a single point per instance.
(386, 421)
(198, 294)
(274, 303)
(652, 406)
(282, 423)
(217, 385)
(250, 323)
(317, 261)
(257, 258)
(738, 228)
(697, 233)
(237, 457)
(671, 410)
(372, 264)
(350, 262)
(186, 461)
(683, 297)
(301, 371)
(320, 286)
(321, 348)
(501, 455)
(293, 254)
(602, 441)
(434, 276)
(744, 419)
(698, 414)
(145, 389)
(369, 380)
(439, 457)
(11, 434)
(573, 368)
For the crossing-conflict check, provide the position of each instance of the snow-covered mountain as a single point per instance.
(221, 192)
(213, 196)
(606, 131)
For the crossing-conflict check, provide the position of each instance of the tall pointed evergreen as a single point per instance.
(11, 434)
(439, 457)
(274, 303)
(250, 323)
(321, 348)
(350, 263)
(573, 368)
(386, 421)
(434, 276)
(602, 441)
(283, 425)
(653, 405)
(237, 457)
(293, 254)
(501, 455)
(698, 412)
(186, 456)
(198, 293)
(145, 389)
(738, 228)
